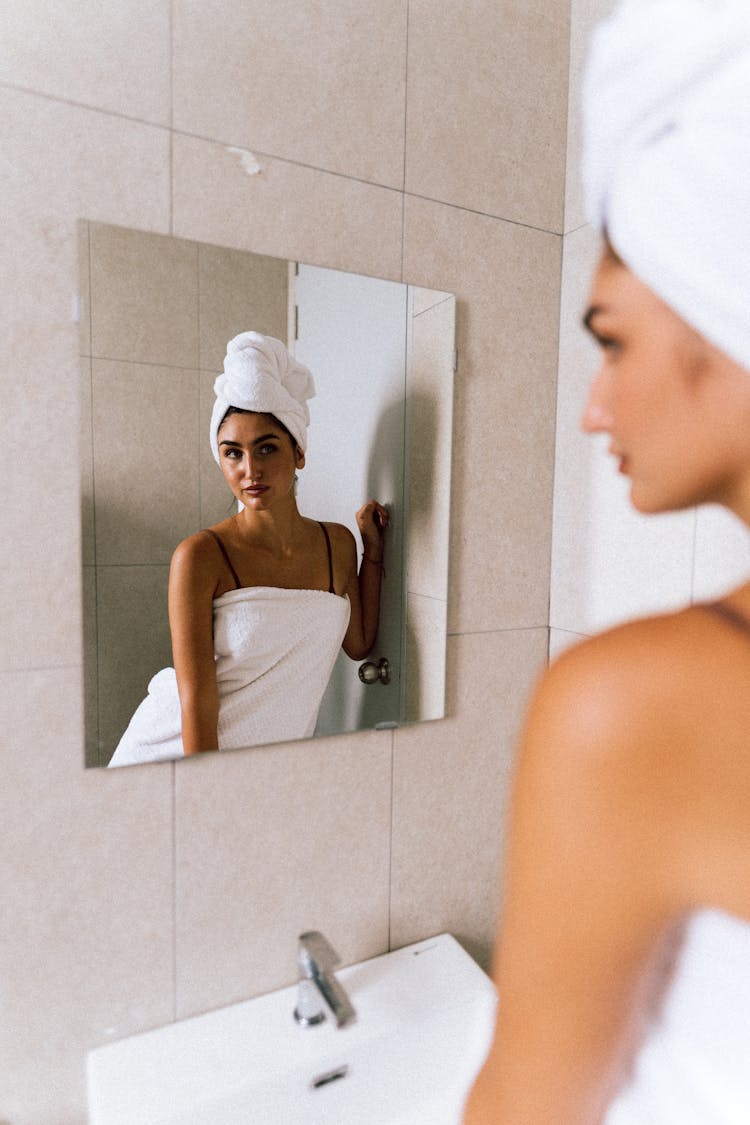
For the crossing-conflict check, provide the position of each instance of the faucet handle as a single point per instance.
(316, 953)
(318, 983)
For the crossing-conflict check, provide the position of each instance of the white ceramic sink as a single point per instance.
(424, 1019)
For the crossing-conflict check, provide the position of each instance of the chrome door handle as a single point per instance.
(370, 673)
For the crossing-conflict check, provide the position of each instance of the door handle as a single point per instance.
(380, 673)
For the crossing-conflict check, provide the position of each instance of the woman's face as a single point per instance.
(258, 459)
(677, 410)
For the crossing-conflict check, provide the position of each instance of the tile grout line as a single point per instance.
(282, 159)
(406, 119)
(171, 117)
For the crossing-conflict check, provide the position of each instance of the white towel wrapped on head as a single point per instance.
(261, 375)
(666, 167)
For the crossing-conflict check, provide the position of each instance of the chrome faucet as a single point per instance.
(320, 993)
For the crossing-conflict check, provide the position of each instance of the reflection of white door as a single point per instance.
(351, 333)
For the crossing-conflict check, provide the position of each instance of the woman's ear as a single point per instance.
(299, 459)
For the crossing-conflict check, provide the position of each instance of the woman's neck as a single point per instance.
(278, 530)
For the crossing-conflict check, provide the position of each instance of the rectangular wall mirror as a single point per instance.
(156, 315)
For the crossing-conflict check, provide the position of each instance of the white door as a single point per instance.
(352, 334)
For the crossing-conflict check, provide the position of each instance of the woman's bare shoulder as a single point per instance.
(203, 543)
(641, 730)
(197, 557)
(343, 543)
(194, 547)
(664, 655)
(639, 692)
(650, 698)
(338, 532)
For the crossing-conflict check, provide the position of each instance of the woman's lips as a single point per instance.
(622, 461)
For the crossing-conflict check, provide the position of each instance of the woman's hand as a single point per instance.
(363, 588)
(372, 520)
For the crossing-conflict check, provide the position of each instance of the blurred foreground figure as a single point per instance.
(623, 957)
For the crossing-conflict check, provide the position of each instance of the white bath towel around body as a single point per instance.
(275, 651)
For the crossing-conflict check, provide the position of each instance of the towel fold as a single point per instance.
(666, 166)
(261, 375)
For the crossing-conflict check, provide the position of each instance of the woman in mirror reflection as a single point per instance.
(623, 953)
(261, 603)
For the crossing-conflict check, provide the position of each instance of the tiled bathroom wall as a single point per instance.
(407, 140)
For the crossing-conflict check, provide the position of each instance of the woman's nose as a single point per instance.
(597, 417)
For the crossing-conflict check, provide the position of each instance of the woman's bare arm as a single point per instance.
(363, 589)
(192, 585)
(597, 880)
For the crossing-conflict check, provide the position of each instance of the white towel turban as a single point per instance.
(666, 167)
(259, 374)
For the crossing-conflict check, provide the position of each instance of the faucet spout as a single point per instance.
(320, 992)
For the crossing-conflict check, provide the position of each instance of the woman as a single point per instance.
(623, 963)
(261, 603)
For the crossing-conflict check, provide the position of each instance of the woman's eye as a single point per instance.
(266, 449)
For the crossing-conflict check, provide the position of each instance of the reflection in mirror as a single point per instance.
(157, 313)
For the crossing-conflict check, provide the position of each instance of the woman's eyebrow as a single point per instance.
(256, 441)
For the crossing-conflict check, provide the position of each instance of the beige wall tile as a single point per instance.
(239, 292)
(132, 643)
(609, 562)
(486, 107)
(285, 210)
(506, 279)
(320, 84)
(111, 56)
(144, 297)
(40, 575)
(584, 15)
(271, 843)
(145, 460)
(107, 167)
(450, 789)
(87, 954)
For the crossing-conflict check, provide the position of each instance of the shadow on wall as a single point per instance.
(349, 705)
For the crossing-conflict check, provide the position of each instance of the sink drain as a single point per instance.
(329, 1077)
